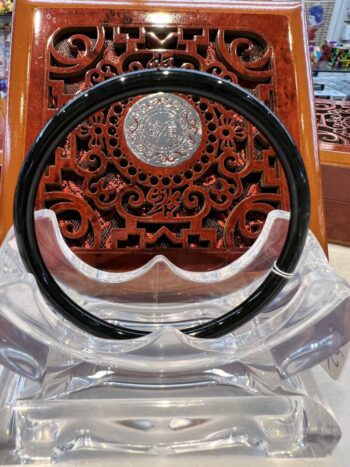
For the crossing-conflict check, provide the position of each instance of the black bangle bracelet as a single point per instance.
(138, 83)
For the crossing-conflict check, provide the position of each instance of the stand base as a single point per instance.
(279, 425)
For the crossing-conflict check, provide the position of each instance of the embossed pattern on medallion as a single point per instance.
(162, 129)
(108, 196)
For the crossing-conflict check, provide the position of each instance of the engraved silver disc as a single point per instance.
(163, 129)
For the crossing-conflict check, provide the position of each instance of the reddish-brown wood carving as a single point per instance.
(333, 123)
(108, 199)
(75, 44)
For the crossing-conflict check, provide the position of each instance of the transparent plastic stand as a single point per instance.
(68, 395)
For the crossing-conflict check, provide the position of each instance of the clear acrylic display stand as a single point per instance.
(66, 394)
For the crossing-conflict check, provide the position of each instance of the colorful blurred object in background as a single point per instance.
(6, 6)
(315, 20)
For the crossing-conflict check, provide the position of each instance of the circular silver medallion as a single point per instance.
(163, 129)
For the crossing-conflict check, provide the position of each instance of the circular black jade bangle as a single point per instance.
(144, 82)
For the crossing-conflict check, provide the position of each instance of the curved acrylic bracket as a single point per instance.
(307, 322)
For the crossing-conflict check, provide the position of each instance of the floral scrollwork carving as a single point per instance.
(75, 55)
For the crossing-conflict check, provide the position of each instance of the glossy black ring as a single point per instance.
(138, 83)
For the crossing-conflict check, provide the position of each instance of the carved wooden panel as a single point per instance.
(77, 44)
(333, 124)
(106, 198)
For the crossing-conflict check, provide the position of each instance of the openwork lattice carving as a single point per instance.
(80, 60)
(333, 121)
(106, 198)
